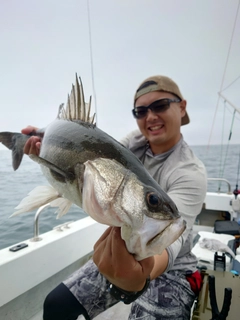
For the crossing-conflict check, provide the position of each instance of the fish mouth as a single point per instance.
(164, 230)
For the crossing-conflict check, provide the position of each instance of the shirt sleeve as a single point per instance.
(126, 141)
(187, 188)
(133, 140)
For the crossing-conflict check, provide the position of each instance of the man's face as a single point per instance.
(162, 130)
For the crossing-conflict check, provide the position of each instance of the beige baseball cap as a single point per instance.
(160, 83)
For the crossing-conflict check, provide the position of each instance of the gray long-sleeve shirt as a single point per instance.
(183, 177)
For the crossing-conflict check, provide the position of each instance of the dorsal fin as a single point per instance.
(76, 108)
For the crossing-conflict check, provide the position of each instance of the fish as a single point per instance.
(87, 167)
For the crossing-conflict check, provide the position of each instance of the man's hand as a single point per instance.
(117, 264)
(33, 144)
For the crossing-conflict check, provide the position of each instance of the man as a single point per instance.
(113, 274)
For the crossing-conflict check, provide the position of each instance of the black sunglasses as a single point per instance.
(156, 107)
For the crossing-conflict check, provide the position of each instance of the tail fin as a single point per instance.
(15, 142)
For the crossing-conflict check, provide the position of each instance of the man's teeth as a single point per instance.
(156, 128)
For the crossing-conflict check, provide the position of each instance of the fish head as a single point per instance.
(114, 195)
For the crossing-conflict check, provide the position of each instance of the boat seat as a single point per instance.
(227, 227)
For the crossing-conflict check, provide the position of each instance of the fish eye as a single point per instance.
(153, 199)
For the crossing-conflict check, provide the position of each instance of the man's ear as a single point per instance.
(183, 106)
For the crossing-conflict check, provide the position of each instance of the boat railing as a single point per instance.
(36, 236)
(222, 180)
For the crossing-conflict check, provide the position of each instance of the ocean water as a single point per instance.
(14, 186)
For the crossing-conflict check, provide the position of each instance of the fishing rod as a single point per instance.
(225, 70)
(236, 109)
(91, 58)
(229, 102)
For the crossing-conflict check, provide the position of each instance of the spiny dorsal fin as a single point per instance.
(76, 108)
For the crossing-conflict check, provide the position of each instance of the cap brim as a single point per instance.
(185, 119)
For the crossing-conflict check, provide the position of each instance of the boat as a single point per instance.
(30, 270)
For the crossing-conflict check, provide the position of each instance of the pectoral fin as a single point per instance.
(63, 206)
(38, 197)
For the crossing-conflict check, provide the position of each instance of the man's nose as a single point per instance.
(151, 115)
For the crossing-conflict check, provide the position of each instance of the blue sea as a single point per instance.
(15, 185)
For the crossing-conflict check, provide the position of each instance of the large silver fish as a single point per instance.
(87, 167)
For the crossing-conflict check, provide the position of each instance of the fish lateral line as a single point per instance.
(53, 167)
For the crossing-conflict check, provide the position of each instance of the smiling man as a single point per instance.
(160, 111)
(161, 126)
(159, 287)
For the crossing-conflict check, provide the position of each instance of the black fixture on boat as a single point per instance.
(216, 314)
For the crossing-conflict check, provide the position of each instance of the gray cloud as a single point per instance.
(44, 43)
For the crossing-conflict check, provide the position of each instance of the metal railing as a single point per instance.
(60, 227)
(223, 180)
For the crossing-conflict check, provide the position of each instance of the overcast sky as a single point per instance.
(44, 43)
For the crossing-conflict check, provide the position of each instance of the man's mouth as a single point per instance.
(155, 128)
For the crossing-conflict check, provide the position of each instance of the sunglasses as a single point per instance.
(157, 106)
